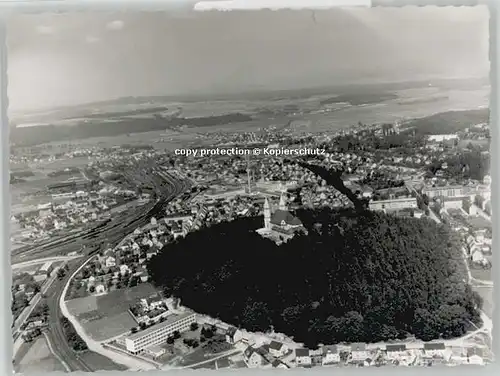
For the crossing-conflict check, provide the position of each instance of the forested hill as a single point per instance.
(355, 277)
(449, 121)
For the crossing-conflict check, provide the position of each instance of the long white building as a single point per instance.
(157, 334)
(446, 191)
(394, 204)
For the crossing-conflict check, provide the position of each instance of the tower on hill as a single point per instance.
(280, 225)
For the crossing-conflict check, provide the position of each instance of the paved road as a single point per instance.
(112, 234)
(55, 334)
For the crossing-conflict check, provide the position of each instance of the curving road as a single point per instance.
(111, 233)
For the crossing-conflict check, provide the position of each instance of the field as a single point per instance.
(39, 182)
(81, 306)
(384, 104)
(39, 359)
(99, 362)
(481, 274)
(104, 328)
(107, 316)
(61, 164)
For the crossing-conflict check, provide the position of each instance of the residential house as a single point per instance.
(253, 358)
(135, 247)
(302, 357)
(151, 253)
(395, 352)
(110, 262)
(480, 235)
(331, 355)
(124, 269)
(233, 335)
(277, 349)
(434, 350)
(477, 257)
(40, 277)
(475, 355)
(359, 352)
(152, 302)
(316, 356)
(100, 289)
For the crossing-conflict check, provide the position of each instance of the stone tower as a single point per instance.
(282, 205)
(267, 215)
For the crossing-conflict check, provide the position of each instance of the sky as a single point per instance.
(75, 58)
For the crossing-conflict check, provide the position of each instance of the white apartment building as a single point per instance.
(447, 191)
(394, 204)
(157, 334)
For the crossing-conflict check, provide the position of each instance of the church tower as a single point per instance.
(282, 205)
(267, 215)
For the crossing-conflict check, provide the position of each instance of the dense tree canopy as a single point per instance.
(355, 277)
(472, 164)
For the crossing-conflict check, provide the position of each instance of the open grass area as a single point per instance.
(81, 306)
(113, 303)
(100, 363)
(104, 328)
(119, 301)
(39, 359)
(195, 356)
(106, 316)
(481, 274)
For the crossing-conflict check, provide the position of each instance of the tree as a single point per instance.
(45, 308)
(194, 326)
(177, 334)
(207, 333)
(91, 289)
(170, 340)
(61, 273)
(466, 204)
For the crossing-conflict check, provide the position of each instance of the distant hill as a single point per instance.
(449, 122)
(376, 88)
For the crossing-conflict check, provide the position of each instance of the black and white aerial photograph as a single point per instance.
(289, 189)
